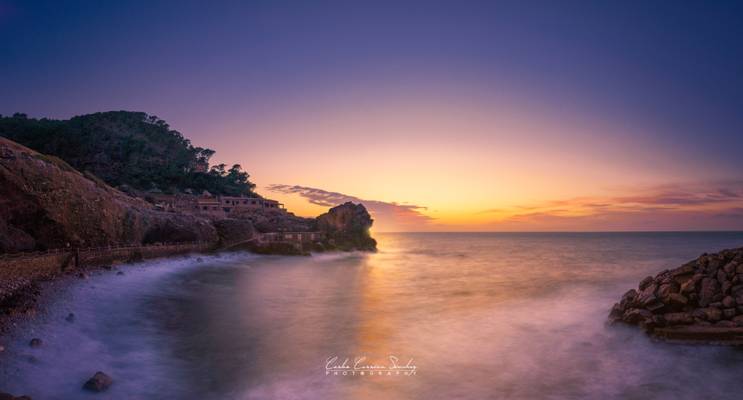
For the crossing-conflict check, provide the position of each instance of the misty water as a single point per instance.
(511, 316)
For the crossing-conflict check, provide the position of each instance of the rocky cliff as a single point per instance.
(347, 227)
(45, 203)
(701, 300)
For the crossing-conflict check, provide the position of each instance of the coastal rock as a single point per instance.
(70, 317)
(35, 342)
(347, 227)
(645, 282)
(707, 291)
(701, 300)
(98, 383)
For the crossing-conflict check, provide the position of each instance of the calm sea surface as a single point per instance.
(478, 316)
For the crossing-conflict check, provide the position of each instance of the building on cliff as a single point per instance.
(212, 205)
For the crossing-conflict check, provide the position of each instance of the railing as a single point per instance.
(100, 249)
(295, 237)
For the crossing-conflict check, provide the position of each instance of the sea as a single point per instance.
(428, 316)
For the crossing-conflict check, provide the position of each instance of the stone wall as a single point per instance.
(19, 270)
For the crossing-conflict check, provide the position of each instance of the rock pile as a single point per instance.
(700, 301)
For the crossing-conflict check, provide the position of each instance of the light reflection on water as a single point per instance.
(516, 316)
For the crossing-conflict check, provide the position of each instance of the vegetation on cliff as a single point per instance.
(128, 148)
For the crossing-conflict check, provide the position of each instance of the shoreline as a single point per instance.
(23, 287)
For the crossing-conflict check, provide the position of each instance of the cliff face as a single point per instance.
(45, 203)
(347, 227)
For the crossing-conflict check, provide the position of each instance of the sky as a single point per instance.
(437, 115)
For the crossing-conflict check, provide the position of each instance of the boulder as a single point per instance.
(711, 314)
(98, 383)
(636, 315)
(645, 282)
(707, 291)
(677, 300)
(347, 227)
(35, 342)
(667, 289)
(678, 318)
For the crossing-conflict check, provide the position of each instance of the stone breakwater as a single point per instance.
(700, 301)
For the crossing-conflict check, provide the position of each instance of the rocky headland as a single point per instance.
(700, 301)
(51, 211)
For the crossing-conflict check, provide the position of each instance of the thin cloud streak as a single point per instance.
(387, 215)
(668, 207)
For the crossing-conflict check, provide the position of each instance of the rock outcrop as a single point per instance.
(45, 203)
(347, 227)
(701, 300)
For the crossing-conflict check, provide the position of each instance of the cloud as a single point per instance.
(387, 215)
(667, 207)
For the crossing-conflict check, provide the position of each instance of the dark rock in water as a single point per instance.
(98, 383)
(700, 301)
(8, 396)
(35, 342)
(347, 227)
(120, 273)
(70, 317)
(199, 260)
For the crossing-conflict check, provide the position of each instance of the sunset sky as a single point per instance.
(439, 116)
